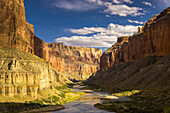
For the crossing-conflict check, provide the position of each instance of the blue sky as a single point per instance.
(89, 23)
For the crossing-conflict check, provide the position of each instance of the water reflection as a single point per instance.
(85, 104)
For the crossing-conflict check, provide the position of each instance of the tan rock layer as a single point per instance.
(78, 60)
(26, 77)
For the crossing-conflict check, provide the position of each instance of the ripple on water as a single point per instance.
(85, 104)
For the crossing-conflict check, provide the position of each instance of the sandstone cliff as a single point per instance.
(15, 31)
(142, 61)
(24, 73)
(109, 56)
(77, 61)
(152, 40)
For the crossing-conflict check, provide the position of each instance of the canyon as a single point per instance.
(139, 61)
(30, 67)
(150, 40)
(28, 64)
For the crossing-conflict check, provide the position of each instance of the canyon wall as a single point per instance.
(141, 61)
(22, 72)
(41, 48)
(80, 61)
(109, 56)
(152, 40)
(15, 31)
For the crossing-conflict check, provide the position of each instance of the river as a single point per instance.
(85, 104)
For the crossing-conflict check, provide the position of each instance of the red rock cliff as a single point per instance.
(152, 40)
(15, 31)
(108, 57)
(77, 60)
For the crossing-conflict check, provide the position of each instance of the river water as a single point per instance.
(85, 104)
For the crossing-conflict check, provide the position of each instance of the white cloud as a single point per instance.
(122, 10)
(118, 9)
(105, 37)
(147, 3)
(113, 9)
(116, 1)
(132, 21)
(128, 1)
(85, 30)
(75, 5)
(107, 15)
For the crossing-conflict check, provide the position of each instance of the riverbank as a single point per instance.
(144, 101)
(48, 100)
(85, 104)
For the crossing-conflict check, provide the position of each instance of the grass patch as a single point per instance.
(146, 101)
(56, 97)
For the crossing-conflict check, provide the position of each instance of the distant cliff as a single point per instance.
(79, 61)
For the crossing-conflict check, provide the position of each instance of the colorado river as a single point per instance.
(85, 104)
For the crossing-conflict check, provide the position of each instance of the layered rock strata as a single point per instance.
(79, 61)
(23, 73)
(15, 31)
(142, 62)
(108, 58)
(152, 40)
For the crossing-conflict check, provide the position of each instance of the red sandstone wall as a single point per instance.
(41, 48)
(15, 31)
(152, 39)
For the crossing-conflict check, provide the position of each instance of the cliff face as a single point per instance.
(152, 40)
(142, 62)
(80, 61)
(24, 74)
(41, 48)
(108, 58)
(15, 31)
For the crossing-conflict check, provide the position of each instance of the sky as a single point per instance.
(89, 23)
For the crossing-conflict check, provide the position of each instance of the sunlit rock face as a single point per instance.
(151, 40)
(109, 56)
(24, 74)
(80, 61)
(15, 31)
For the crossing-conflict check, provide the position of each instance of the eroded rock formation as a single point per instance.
(151, 40)
(142, 62)
(15, 31)
(80, 61)
(109, 56)
(23, 73)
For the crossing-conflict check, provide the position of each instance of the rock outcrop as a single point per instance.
(23, 73)
(143, 60)
(151, 40)
(77, 61)
(15, 31)
(109, 56)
